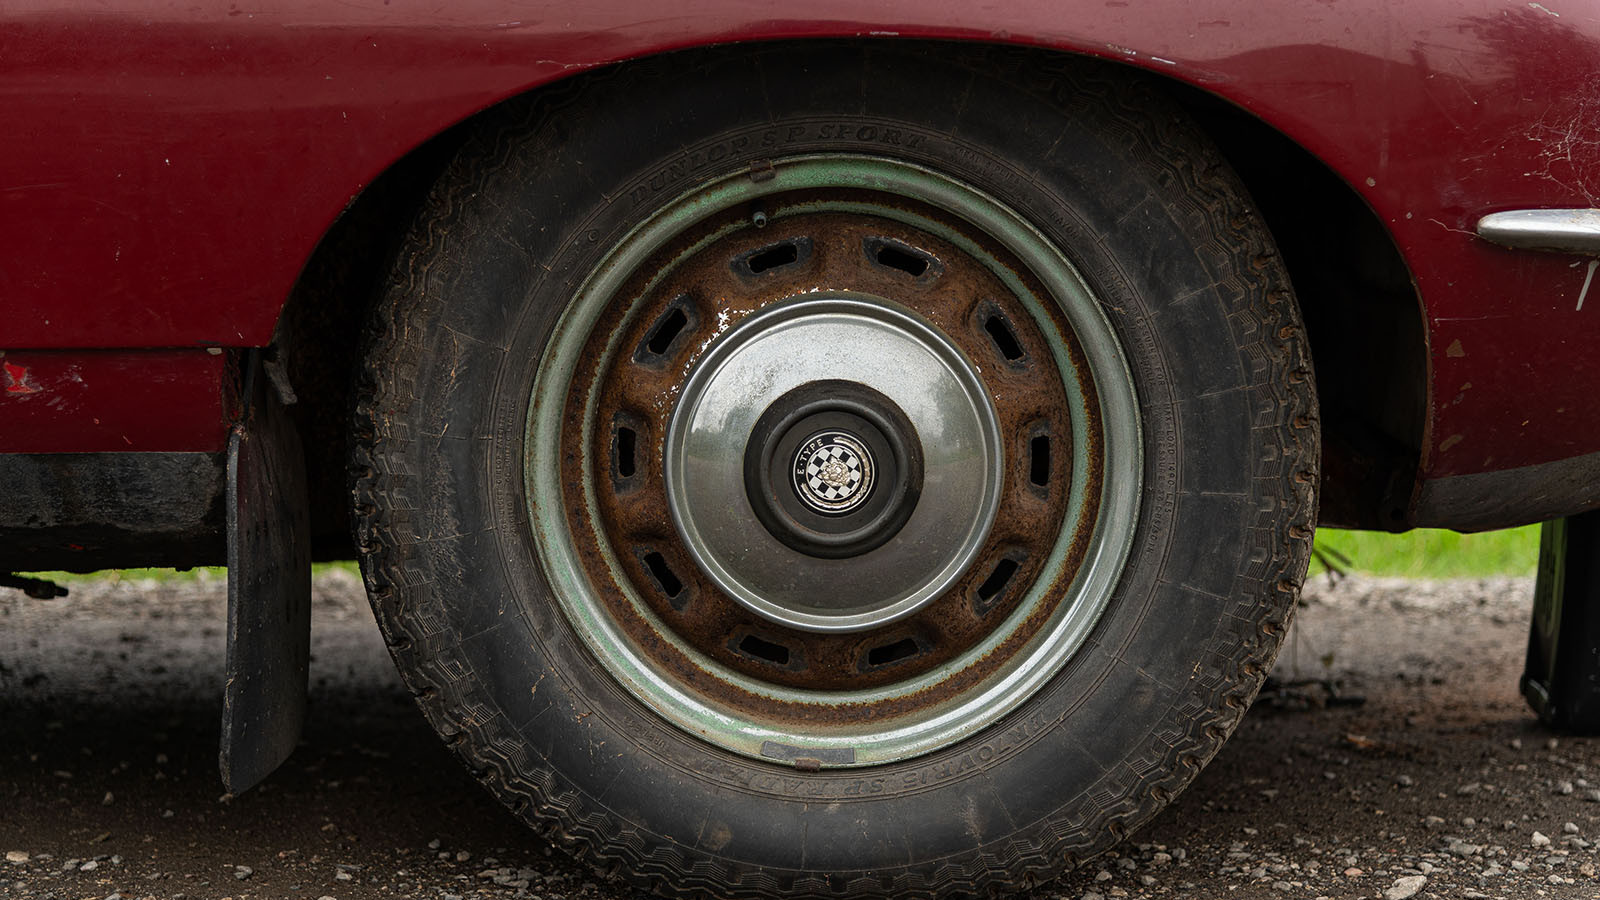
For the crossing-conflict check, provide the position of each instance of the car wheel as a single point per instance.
(837, 470)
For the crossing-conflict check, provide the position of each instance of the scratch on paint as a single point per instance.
(1544, 9)
(1568, 136)
(1586, 279)
(1449, 228)
(17, 380)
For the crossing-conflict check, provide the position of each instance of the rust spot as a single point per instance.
(17, 381)
(762, 170)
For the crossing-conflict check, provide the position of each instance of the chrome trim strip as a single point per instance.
(1556, 230)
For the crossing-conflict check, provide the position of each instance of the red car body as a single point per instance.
(168, 170)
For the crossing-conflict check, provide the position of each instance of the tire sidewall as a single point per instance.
(1118, 730)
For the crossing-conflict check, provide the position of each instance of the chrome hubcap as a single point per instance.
(914, 547)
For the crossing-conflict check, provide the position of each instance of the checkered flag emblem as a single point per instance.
(833, 472)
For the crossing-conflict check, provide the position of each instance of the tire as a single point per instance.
(603, 418)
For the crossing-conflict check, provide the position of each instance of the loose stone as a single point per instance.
(1405, 887)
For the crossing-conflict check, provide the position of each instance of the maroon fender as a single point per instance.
(167, 168)
(105, 401)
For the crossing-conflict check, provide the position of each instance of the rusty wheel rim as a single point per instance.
(620, 515)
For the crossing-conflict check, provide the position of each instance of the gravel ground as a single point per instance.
(1390, 758)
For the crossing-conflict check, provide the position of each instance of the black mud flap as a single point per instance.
(269, 590)
(1561, 680)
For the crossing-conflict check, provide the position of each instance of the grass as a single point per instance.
(1433, 553)
(201, 573)
(1423, 553)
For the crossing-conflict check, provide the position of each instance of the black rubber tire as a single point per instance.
(1158, 226)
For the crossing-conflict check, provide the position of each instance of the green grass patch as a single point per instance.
(1432, 552)
(201, 573)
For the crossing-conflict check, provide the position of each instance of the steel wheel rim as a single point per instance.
(1106, 434)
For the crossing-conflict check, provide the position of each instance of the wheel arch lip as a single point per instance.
(1189, 77)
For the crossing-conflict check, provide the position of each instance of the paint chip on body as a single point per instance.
(17, 380)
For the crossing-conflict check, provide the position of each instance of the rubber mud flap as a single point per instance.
(269, 593)
(1561, 679)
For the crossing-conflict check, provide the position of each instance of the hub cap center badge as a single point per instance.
(833, 473)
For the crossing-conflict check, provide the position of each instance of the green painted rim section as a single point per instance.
(1080, 607)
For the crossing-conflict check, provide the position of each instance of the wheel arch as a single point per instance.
(1364, 315)
(1372, 432)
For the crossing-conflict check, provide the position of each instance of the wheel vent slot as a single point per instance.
(994, 587)
(667, 334)
(892, 254)
(666, 329)
(998, 579)
(773, 257)
(627, 441)
(667, 581)
(889, 654)
(1005, 341)
(764, 650)
(1039, 460)
(895, 258)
